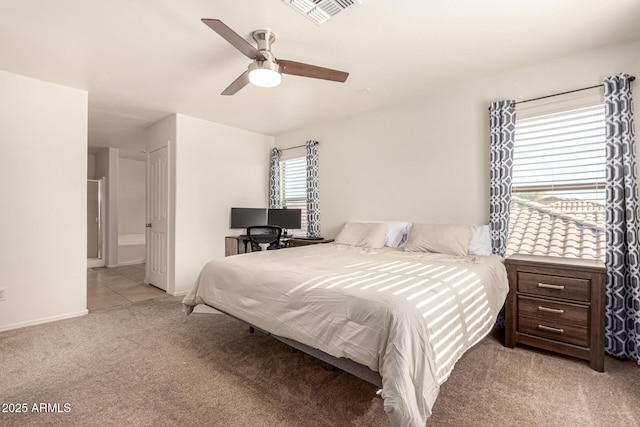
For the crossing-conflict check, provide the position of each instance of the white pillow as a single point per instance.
(397, 232)
(368, 235)
(480, 241)
(451, 239)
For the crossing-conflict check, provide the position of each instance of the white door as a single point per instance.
(157, 218)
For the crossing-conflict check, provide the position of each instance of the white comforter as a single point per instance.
(408, 316)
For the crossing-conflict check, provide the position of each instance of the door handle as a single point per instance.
(148, 225)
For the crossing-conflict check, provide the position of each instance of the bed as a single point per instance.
(406, 313)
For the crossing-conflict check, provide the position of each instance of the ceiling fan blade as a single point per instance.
(237, 84)
(234, 39)
(307, 70)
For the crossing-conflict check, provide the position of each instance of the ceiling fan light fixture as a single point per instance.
(265, 77)
(265, 74)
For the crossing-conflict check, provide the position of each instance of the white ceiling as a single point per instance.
(141, 60)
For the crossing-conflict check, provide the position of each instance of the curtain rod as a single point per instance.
(631, 78)
(291, 148)
(558, 94)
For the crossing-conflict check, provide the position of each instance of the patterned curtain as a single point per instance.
(622, 314)
(502, 125)
(275, 201)
(502, 122)
(313, 194)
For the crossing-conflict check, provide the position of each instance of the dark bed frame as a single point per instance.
(344, 364)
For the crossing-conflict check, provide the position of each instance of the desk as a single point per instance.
(293, 242)
(232, 244)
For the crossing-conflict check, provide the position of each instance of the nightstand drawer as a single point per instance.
(557, 331)
(573, 314)
(554, 286)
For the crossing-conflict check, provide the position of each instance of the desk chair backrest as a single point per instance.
(264, 237)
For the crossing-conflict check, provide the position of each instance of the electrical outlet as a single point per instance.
(3, 294)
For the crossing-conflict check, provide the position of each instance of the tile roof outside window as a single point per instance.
(557, 227)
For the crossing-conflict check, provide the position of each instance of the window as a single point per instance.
(558, 194)
(293, 187)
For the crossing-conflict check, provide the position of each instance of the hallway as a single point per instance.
(110, 287)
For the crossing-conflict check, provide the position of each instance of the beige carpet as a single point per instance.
(147, 364)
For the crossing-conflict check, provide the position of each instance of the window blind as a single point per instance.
(293, 181)
(560, 151)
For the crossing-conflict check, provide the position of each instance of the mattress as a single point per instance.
(409, 316)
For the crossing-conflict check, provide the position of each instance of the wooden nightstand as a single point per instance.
(293, 242)
(557, 304)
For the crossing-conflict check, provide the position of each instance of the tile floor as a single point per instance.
(109, 287)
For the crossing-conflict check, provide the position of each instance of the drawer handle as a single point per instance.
(550, 310)
(550, 329)
(548, 286)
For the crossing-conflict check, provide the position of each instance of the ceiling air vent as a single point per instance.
(320, 11)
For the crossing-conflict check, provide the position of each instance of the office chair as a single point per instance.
(264, 237)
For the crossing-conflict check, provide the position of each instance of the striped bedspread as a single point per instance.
(409, 316)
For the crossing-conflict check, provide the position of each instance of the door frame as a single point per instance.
(164, 284)
(102, 241)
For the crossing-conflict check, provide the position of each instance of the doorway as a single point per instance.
(95, 223)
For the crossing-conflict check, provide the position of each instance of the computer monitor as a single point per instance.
(247, 217)
(289, 219)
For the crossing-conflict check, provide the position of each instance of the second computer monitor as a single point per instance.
(289, 219)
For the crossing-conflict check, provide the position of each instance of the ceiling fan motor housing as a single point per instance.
(264, 38)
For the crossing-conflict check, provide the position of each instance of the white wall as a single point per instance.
(131, 199)
(428, 160)
(91, 166)
(43, 188)
(131, 211)
(107, 166)
(216, 167)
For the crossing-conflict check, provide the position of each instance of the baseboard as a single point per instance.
(43, 320)
(180, 294)
(95, 262)
(135, 261)
(205, 309)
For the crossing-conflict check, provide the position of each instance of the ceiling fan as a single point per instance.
(266, 70)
